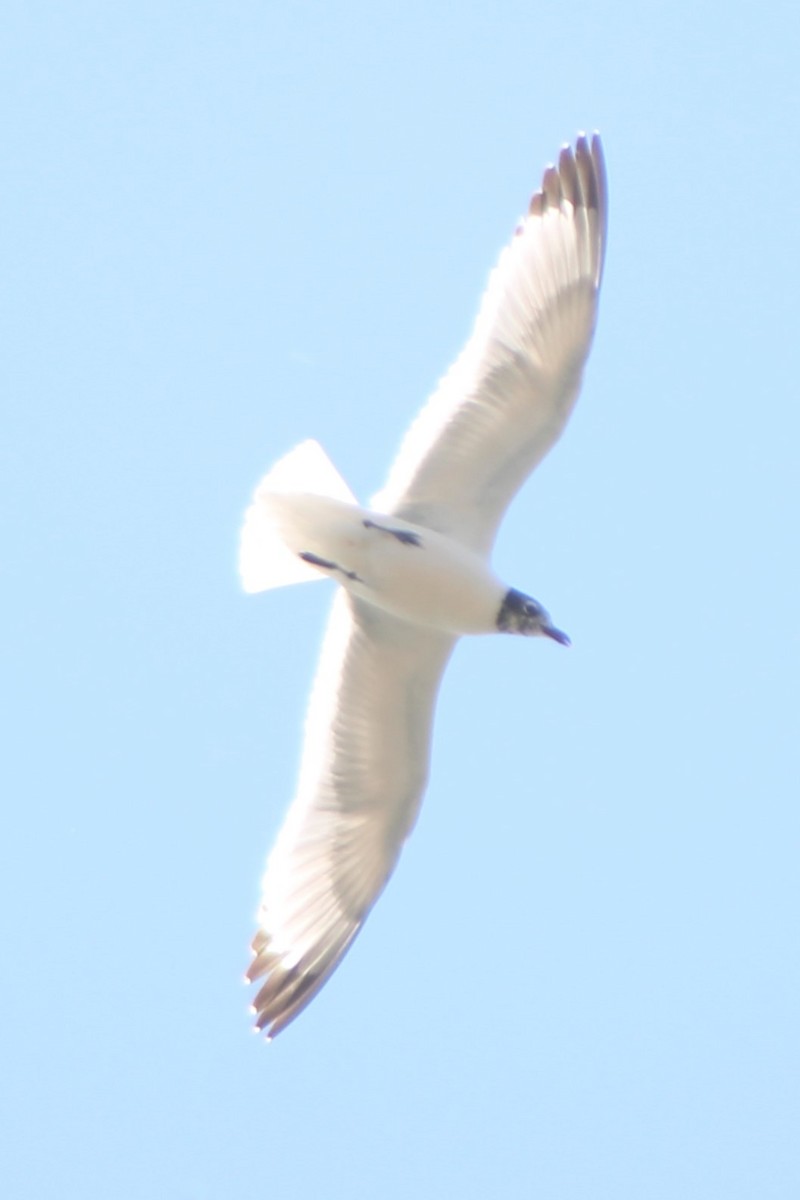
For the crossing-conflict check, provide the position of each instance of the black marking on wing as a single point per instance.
(403, 535)
(315, 561)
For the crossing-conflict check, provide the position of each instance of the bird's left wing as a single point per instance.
(363, 772)
(508, 396)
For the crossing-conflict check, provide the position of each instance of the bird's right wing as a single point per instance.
(364, 768)
(507, 398)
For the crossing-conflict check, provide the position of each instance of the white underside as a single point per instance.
(428, 579)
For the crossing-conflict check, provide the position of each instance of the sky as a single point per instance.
(227, 228)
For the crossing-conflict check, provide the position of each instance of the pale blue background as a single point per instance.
(231, 226)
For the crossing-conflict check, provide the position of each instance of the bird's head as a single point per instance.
(522, 614)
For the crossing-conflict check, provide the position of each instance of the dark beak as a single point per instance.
(556, 634)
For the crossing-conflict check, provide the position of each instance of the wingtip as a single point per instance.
(257, 1031)
(579, 178)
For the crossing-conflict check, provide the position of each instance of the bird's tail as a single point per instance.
(268, 555)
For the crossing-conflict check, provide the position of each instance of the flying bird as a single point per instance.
(414, 576)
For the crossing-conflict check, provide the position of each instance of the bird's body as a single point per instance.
(415, 575)
(405, 569)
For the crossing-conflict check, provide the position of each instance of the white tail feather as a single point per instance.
(265, 559)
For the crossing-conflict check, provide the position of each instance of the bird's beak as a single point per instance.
(556, 634)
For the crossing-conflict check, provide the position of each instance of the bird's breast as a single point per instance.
(405, 569)
(424, 577)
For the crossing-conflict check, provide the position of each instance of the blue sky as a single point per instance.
(230, 227)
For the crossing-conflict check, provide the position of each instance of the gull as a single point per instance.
(414, 575)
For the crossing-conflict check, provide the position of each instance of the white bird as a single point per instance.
(415, 575)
